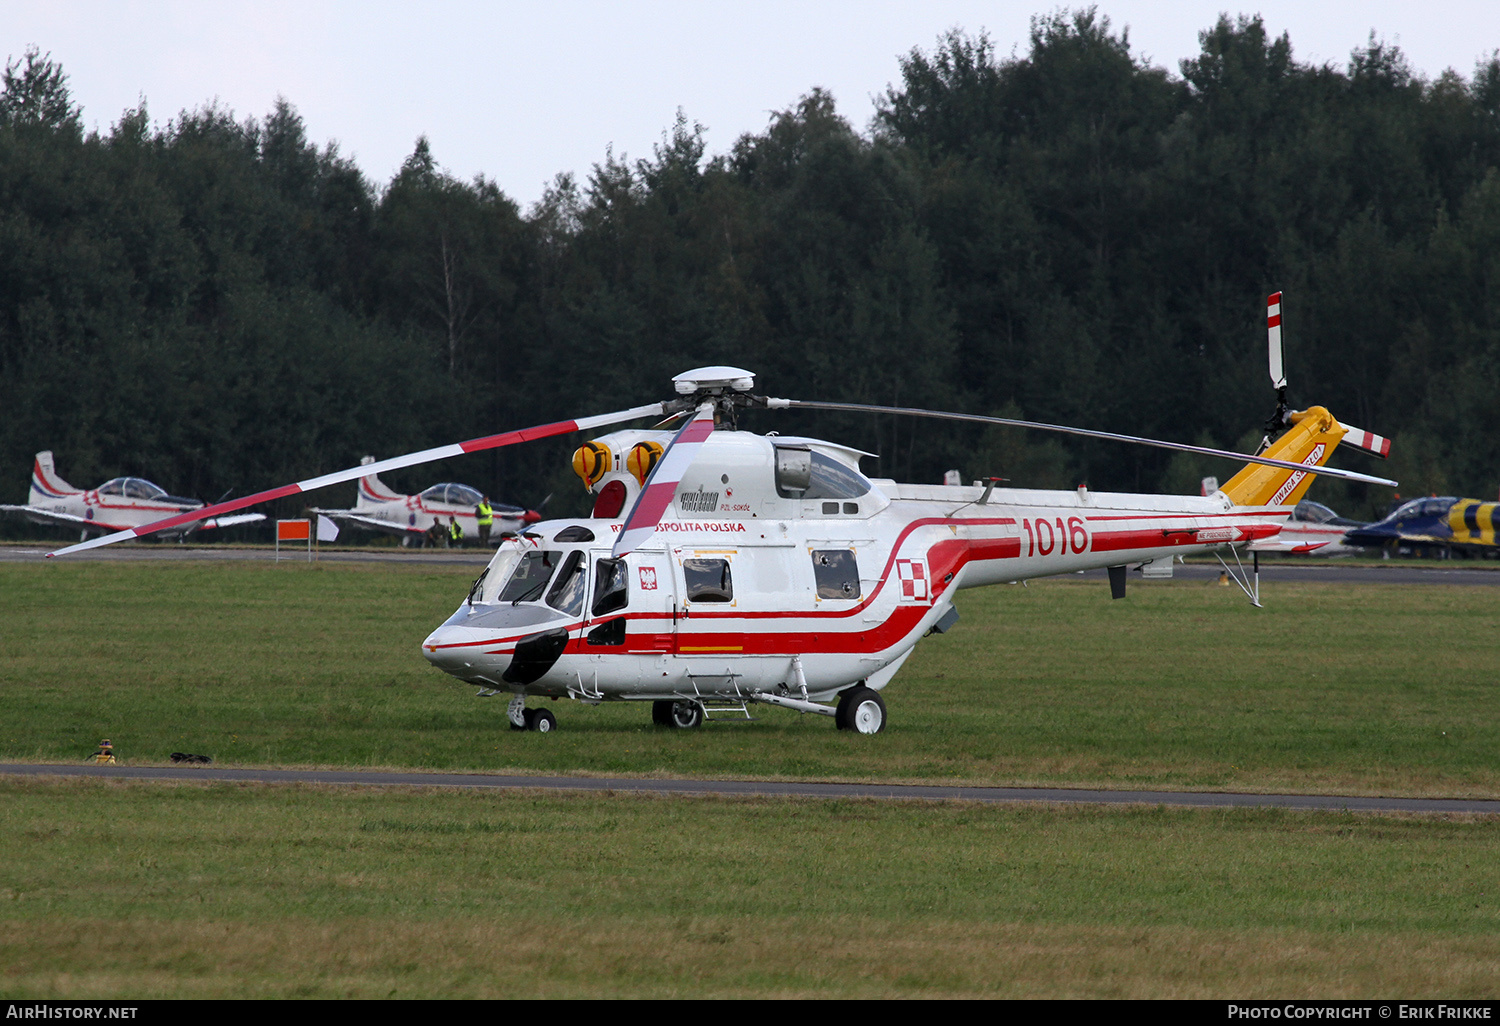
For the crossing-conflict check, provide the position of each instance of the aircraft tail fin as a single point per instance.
(45, 484)
(1315, 433)
(373, 491)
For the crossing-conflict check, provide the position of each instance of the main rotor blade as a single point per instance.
(561, 427)
(1273, 337)
(1347, 475)
(656, 494)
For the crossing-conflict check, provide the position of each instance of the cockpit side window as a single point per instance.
(115, 487)
(567, 591)
(530, 577)
(611, 586)
(498, 573)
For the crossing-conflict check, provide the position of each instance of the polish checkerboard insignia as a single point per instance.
(913, 576)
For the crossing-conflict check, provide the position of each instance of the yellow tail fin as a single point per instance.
(1315, 433)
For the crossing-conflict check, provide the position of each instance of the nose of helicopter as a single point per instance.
(461, 652)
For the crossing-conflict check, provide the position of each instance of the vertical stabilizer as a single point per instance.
(1314, 434)
(372, 490)
(46, 486)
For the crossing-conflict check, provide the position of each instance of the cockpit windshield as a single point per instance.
(456, 494)
(530, 577)
(139, 488)
(132, 488)
(1433, 507)
(1309, 512)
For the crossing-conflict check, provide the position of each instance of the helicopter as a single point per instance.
(723, 568)
(116, 505)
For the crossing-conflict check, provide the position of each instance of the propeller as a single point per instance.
(394, 463)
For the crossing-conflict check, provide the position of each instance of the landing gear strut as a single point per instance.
(522, 718)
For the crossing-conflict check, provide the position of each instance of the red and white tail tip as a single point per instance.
(1369, 441)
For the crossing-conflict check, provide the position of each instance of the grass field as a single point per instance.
(123, 889)
(114, 889)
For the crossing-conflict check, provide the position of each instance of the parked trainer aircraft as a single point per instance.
(1313, 528)
(118, 504)
(378, 508)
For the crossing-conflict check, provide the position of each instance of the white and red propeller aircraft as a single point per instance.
(722, 567)
(378, 508)
(119, 504)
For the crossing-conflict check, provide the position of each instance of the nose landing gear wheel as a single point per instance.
(861, 710)
(540, 720)
(682, 715)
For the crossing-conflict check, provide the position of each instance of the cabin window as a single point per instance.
(567, 592)
(836, 572)
(611, 586)
(530, 577)
(708, 580)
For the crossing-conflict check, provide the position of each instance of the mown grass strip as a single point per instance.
(110, 888)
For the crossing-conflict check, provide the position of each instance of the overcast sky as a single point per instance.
(520, 91)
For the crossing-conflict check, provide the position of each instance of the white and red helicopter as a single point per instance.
(378, 508)
(119, 504)
(722, 568)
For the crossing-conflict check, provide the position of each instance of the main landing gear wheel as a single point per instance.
(540, 720)
(862, 710)
(683, 715)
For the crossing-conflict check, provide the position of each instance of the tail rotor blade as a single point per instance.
(561, 427)
(1369, 441)
(656, 495)
(1273, 333)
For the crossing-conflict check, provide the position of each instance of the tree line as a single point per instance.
(1071, 235)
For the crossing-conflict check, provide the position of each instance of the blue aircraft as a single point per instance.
(1441, 525)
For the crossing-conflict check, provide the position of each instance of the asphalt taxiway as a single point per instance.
(761, 788)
